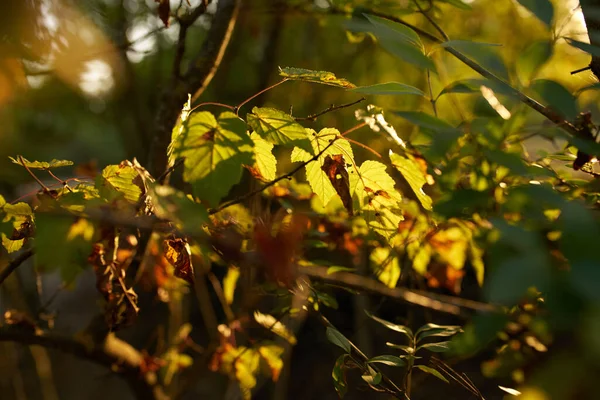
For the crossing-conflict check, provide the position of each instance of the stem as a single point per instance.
(44, 187)
(237, 108)
(14, 264)
(331, 108)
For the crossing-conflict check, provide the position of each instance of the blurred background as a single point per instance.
(82, 81)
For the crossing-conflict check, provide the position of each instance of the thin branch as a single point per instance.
(114, 354)
(14, 264)
(44, 187)
(438, 302)
(163, 176)
(184, 25)
(329, 109)
(237, 108)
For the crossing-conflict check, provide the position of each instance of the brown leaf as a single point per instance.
(179, 254)
(164, 11)
(335, 169)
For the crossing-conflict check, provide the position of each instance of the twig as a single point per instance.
(237, 108)
(114, 354)
(329, 109)
(163, 176)
(439, 302)
(14, 264)
(44, 187)
(184, 25)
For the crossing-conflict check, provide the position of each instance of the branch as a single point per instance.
(14, 264)
(195, 80)
(329, 109)
(439, 302)
(114, 354)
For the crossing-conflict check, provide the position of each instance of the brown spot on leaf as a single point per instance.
(335, 169)
(179, 254)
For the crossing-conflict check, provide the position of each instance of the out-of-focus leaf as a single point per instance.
(464, 86)
(339, 375)
(532, 59)
(229, 283)
(389, 88)
(439, 347)
(271, 354)
(41, 164)
(415, 177)
(373, 116)
(432, 371)
(392, 361)
(556, 96)
(435, 330)
(173, 205)
(307, 75)
(214, 152)
(395, 327)
(458, 4)
(278, 127)
(588, 48)
(264, 158)
(277, 327)
(377, 199)
(542, 9)
(336, 337)
(483, 53)
(120, 179)
(179, 254)
(386, 266)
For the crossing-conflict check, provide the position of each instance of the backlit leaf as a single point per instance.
(432, 371)
(264, 158)
(120, 179)
(41, 164)
(414, 175)
(229, 283)
(386, 266)
(307, 75)
(392, 361)
(542, 9)
(588, 48)
(271, 355)
(336, 337)
(278, 127)
(395, 327)
(214, 152)
(277, 327)
(439, 347)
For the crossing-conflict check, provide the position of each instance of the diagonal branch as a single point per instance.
(14, 264)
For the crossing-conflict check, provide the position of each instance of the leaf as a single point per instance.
(432, 371)
(542, 9)
(415, 177)
(439, 347)
(389, 89)
(386, 266)
(118, 180)
(316, 177)
(177, 251)
(373, 116)
(41, 164)
(556, 96)
(532, 59)
(335, 169)
(588, 48)
(307, 75)
(403, 347)
(434, 330)
(373, 377)
(426, 121)
(336, 337)
(458, 4)
(376, 198)
(398, 328)
(229, 283)
(393, 30)
(12, 245)
(271, 354)
(277, 327)
(214, 152)
(468, 46)
(464, 86)
(389, 360)
(483, 53)
(339, 375)
(264, 158)
(164, 11)
(277, 127)
(174, 205)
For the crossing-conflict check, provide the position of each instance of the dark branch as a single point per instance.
(114, 354)
(14, 264)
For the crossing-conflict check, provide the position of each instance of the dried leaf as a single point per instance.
(179, 254)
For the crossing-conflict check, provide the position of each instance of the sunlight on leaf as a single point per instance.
(307, 75)
(386, 266)
(277, 327)
(264, 158)
(415, 177)
(41, 164)
(432, 371)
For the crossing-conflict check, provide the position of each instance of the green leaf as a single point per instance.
(532, 59)
(336, 337)
(118, 180)
(401, 41)
(62, 243)
(277, 127)
(389, 88)
(373, 377)
(307, 75)
(468, 46)
(316, 177)
(174, 205)
(263, 155)
(339, 375)
(588, 48)
(277, 327)
(41, 164)
(556, 96)
(374, 194)
(432, 371)
(426, 121)
(415, 177)
(464, 86)
(458, 4)
(483, 53)
(230, 283)
(542, 9)
(403, 347)
(392, 361)
(426, 329)
(439, 347)
(386, 266)
(395, 327)
(214, 152)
